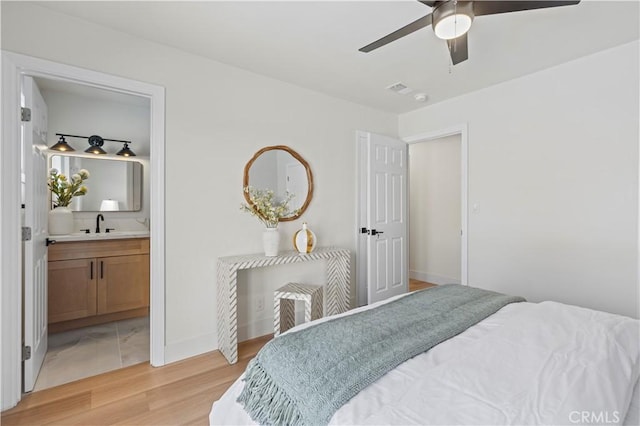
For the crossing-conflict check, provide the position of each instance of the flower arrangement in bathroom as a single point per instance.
(64, 188)
(266, 208)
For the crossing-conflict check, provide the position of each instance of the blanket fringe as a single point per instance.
(266, 402)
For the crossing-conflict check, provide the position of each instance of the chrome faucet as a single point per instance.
(98, 218)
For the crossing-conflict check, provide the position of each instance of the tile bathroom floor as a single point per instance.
(88, 351)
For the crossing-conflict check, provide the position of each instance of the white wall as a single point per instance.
(75, 114)
(434, 210)
(217, 117)
(553, 173)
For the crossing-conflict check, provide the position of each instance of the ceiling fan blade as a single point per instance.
(406, 30)
(494, 7)
(458, 49)
(429, 3)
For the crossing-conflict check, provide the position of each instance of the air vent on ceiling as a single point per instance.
(400, 88)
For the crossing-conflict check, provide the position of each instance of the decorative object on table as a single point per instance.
(61, 216)
(270, 241)
(304, 240)
(263, 205)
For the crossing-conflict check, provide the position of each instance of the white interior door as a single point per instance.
(34, 172)
(297, 183)
(386, 245)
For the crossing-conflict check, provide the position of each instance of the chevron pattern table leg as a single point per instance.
(338, 294)
(227, 312)
(337, 288)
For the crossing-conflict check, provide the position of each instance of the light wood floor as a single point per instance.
(418, 285)
(177, 394)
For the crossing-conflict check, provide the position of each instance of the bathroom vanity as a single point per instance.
(97, 279)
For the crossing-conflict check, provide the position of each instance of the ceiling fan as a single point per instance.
(451, 19)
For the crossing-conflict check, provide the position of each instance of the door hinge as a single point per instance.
(26, 233)
(25, 114)
(364, 231)
(26, 353)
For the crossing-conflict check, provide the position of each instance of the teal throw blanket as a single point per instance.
(304, 377)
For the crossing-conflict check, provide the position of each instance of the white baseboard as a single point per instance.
(190, 347)
(432, 278)
(206, 343)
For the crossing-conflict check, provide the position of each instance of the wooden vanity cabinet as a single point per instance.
(93, 282)
(123, 283)
(72, 289)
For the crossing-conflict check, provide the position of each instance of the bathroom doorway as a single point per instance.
(15, 350)
(96, 322)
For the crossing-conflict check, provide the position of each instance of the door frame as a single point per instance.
(361, 201)
(361, 218)
(463, 131)
(14, 66)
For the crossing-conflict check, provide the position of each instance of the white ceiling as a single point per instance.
(315, 44)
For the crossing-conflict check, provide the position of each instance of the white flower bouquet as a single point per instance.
(65, 189)
(264, 206)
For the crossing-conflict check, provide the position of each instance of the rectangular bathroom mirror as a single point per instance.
(113, 185)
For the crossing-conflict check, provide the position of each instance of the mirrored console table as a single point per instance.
(337, 290)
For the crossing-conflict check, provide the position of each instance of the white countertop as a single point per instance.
(113, 235)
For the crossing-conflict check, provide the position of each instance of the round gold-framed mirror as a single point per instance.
(281, 169)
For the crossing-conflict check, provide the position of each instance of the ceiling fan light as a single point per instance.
(452, 26)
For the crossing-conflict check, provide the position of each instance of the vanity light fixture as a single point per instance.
(125, 151)
(95, 145)
(62, 145)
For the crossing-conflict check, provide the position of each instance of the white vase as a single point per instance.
(304, 241)
(271, 241)
(60, 221)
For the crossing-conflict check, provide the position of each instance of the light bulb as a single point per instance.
(452, 26)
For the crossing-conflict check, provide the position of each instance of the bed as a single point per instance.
(527, 363)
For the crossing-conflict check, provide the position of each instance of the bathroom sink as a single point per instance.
(120, 234)
(81, 236)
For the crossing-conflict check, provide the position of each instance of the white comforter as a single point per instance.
(544, 363)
